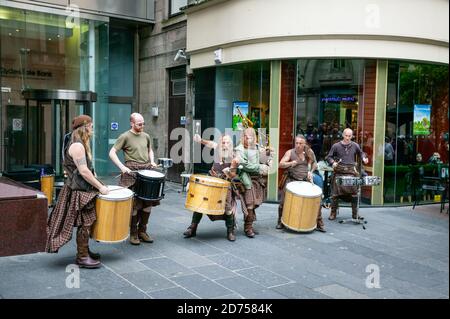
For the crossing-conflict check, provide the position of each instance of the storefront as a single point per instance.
(56, 64)
(388, 83)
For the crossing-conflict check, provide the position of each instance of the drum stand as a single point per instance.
(359, 219)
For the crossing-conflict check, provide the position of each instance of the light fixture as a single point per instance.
(181, 54)
(155, 111)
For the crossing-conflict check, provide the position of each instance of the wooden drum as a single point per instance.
(47, 184)
(301, 206)
(207, 194)
(113, 215)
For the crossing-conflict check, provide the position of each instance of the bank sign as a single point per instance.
(422, 119)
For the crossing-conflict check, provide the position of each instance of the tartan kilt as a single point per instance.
(128, 180)
(73, 209)
(255, 196)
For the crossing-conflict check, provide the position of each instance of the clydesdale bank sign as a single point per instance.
(10, 72)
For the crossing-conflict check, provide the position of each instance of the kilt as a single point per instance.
(73, 209)
(343, 170)
(128, 180)
(254, 197)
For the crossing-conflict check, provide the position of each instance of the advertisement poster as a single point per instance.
(422, 119)
(239, 108)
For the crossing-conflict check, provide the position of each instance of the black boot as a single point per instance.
(280, 214)
(191, 231)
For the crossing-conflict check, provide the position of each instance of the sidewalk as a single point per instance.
(409, 249)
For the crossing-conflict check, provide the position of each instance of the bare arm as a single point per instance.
(115, 159)
(210, 144)
(77, 152)
(285, 163)
(151, 156)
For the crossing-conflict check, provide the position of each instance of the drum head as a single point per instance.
(150, 173)
(117, 193)
(205, 179)
(304, 189)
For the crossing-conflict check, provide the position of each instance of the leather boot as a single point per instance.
(248, 224)
(320, 225)
(355, 208)
(94, 255)
(191, 231)
(83, 259)
(280, 214)
(230, 223)
(134, 238)
(334, 207)
(142, 228)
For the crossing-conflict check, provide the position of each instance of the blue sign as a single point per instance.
(114, 126)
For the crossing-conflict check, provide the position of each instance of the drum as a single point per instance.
(149, 185)
(47, 184)
(207, 194)
(371, 180)
(165, 162)
(348, 181)
(113, 215)
(301, 206)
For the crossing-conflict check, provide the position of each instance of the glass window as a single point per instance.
(247, 84)
(416, 133)
(178, 81)
(175, 6)
(329, 93)
(121, 62)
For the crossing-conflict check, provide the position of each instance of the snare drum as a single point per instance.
(165, 162)
(47, 184)
(113, 215)
(301, 206)
(149, 185)
(348, 181)
(207, 194)
(371, 180)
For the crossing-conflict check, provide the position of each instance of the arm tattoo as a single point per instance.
(81, 161)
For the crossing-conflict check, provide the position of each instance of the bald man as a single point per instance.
(342, 157)
(137, 148)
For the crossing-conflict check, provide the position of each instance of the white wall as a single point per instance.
(260, 29)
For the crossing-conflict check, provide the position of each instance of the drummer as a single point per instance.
(76, 202)
(223, 160)
(300, 163)
(137, 148)
(342, 156)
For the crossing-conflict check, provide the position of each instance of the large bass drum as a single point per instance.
(207, 194)
(301, 206)
(113, 215)
(149, 185)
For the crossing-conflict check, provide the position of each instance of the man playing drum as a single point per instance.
(223, 159)
(300, 163)
(254, 165)
(138, 153)
(342, 157)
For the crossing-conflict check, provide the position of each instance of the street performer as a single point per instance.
(342, 157)
(300, 163)
(76, 202)
(137, 148)
(254, 166)
(224, 167)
